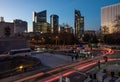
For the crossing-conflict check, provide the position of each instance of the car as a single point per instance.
(85, 52)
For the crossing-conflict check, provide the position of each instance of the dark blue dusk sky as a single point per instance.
(22, 9)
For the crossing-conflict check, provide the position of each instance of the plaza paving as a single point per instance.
(52, 60)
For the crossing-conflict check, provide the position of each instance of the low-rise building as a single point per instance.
(6, 29)
(20, 26)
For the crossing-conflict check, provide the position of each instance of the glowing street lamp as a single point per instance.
(56, 38)
(20, 67)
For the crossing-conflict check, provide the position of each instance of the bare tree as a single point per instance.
(104, 29)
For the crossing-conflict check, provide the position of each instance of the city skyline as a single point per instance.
(23, 9)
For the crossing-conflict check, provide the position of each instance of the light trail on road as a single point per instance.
(55, 77)
(107, 51)
(77, 65)
(29, 77)
(80, 67)
(49, 72)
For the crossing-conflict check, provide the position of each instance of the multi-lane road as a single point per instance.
(77, 70)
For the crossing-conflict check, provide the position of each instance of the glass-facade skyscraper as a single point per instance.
(78, 24)
(54, 21)
(108, 16)
(40, 22)
(40, 16)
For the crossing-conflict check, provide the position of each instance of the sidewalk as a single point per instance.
(52, 60)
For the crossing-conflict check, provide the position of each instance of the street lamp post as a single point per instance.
(43, 40)
(56, 39)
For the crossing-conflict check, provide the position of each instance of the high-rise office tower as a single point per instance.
(54, 21)
(78, 24)
(40, 22)
(109, 16)
(40, 16)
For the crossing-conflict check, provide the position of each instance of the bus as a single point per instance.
(23, 51)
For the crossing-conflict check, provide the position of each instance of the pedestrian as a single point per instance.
(72, 57)
(76, 56)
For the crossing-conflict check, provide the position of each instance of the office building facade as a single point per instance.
(65, 28)
(54, 21)
(20, 26)
(78, 24)
(108, 16)
(42, 27)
